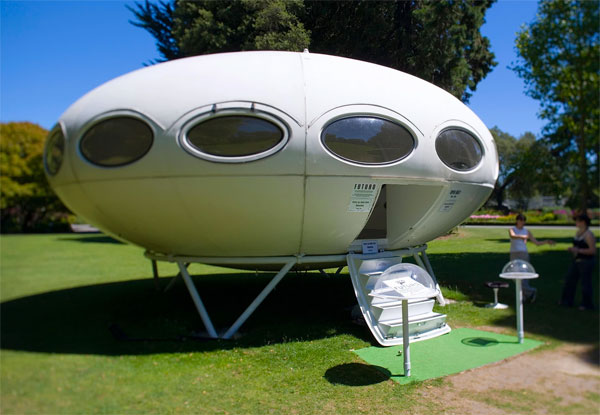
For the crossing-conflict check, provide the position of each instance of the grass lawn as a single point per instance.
(60, 294)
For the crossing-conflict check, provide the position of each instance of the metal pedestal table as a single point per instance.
(518, 277)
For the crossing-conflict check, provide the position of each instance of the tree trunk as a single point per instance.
(583, 179)
(581, 146)
(499, 196)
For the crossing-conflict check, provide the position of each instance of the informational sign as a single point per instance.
(450, 200)
(402, 287)
(363, 197)
(406, 286)
(370, 247)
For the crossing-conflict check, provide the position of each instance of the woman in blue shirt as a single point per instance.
(519, 236)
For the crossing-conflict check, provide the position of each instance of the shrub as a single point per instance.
(27, 204)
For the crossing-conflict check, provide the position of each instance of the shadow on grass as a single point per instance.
(356, 374)
(105, 318)
(592, 355)
(130, 317)
(87, 238)
(467, 273)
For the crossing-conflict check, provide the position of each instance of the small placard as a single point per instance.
(450, 200)
(362, 198)
(406, 286)
(403, 288)
(370, 247)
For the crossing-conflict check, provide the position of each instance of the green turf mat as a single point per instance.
(457, 351)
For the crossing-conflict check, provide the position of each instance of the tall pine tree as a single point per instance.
(438, 41)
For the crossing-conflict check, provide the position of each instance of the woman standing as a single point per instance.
(518, 250)
(584, 253)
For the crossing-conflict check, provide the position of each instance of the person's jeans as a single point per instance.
(580, 268)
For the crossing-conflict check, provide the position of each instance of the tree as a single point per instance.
(25, 198)
(526, 168)
(188, 28)
(536, 172)
(510, 156)
(438, 41)
(559, 60)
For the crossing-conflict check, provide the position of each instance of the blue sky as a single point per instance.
(53, 52)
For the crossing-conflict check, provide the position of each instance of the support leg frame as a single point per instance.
(212, 333)
(286, 265)
(426, 265)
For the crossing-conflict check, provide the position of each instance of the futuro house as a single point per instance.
(271, 159)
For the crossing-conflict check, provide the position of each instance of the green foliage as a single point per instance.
(21, 150)
(527, 168)
(538, 173)
(560, 63)
(438, 41)
(546, 216)
(26, 201)
(186, 28)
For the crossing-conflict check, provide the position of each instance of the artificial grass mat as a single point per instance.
(455, 352)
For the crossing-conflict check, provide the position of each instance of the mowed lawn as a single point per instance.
(84, 330)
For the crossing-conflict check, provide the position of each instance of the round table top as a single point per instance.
(518, 275)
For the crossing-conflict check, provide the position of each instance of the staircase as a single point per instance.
(384, 315)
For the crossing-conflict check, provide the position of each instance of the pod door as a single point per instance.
(376, 226)
(401, 217)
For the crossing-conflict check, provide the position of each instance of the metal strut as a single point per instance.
(197, 301)
(244, 316)
(426, 265)
(287, 263)
(259, 299)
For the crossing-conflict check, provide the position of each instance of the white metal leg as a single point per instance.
(287, 263)
(419, 261)
(172, 282)
(259, 299)
(429, 268)
(197, 301)
(244, 316)
(405, 338)
(155, 274)
(175, 278)
(519, 294)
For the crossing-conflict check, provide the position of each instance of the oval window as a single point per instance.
(54, 151)
(458, 149)
(234, 136)
(117, 141)
(368, 140)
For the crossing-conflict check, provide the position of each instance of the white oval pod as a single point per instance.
(258, 154)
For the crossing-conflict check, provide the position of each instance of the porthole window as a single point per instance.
(368, 140)
(117, 141)
(54, 151)
(234, 136)
(458, 149)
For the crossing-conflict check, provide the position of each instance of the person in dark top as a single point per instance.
(584, 253)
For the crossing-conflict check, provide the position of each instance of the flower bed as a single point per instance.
(560, 216)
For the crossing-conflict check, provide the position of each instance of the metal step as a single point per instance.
(383, 316)
(417, 327)
(392, 310)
